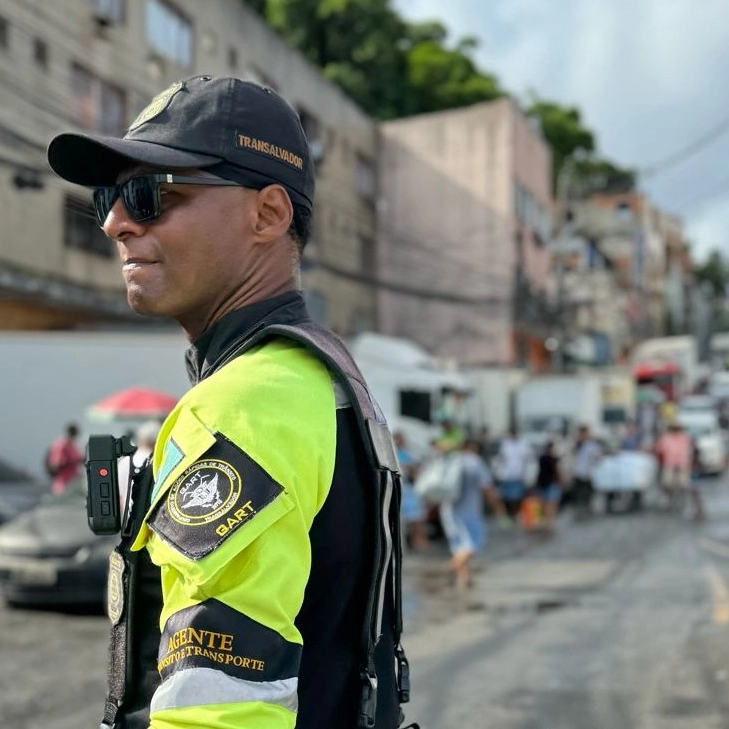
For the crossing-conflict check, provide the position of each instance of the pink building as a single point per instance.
(463, 226)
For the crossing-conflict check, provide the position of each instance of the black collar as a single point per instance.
(237, 326)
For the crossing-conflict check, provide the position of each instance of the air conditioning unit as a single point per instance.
(108, 12)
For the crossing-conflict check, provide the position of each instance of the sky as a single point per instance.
(650, 77)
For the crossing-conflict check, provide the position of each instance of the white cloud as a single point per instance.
(649, 77)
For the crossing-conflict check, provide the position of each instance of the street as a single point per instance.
(620, 622)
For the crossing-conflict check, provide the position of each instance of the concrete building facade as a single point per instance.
(93, 65)
(464, 219)
(623, 266)
(640, 250)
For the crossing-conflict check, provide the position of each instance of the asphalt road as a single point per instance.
(621, 622)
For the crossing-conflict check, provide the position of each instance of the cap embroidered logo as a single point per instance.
(156, 106)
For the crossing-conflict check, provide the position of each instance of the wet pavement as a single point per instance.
(618, 622)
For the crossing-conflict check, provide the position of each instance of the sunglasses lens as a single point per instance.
(139, 195)
(104, 199)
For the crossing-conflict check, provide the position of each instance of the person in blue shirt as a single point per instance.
(463, 519)
(413, 510)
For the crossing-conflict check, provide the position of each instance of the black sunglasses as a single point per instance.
(141, 194)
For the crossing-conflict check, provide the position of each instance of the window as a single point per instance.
(40, 52)
(623, 210)
(108, 12)
(169, 33)
(364, 178)
(367, 256)
(81, 229)
(4, 33)
(100, 106)
(415, 404)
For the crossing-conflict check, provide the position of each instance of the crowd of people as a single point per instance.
(520, 485)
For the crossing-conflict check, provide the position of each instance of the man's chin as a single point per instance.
(143, 305)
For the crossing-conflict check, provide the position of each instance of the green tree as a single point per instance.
(357, 44)
(714, 271)
(574, 144)
(444, 78)
(389, 67)
(258, 5)
(601, 175)
(564, 131)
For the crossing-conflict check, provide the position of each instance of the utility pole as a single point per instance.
(564, 197)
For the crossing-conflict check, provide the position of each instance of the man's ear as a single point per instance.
(274, 213)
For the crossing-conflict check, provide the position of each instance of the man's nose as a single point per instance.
(119, 223)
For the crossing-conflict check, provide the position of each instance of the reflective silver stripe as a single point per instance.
(387, 557)
(208, 686)
(341, 398)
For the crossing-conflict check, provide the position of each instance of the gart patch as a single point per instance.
(213, 498)
(206, 491)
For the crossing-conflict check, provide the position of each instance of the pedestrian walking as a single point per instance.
(549, 486)
(413, 509)
(269, 593)
(452, 436)
(680, 463)
(513, 461)
(64, 459)
(587, 455)
(463, 519)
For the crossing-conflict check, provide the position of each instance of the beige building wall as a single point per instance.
(227, 38)
(447, 228)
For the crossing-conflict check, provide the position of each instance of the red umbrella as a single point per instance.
(134, 402)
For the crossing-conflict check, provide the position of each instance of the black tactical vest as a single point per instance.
(135, 636)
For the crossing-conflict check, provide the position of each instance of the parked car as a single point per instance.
(48, 554)
(697, 404)
(18, 491)
(718, 386)
(703, 427)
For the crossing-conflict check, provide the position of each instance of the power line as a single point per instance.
(686, 152)
(420, 293)
(717, 192)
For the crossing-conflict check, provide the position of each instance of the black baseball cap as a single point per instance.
(245, 130)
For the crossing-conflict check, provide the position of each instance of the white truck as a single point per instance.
(492, 401)
(52, 378)
(414, 390)
(602, 399)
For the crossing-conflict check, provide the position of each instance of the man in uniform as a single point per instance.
(278, 606)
